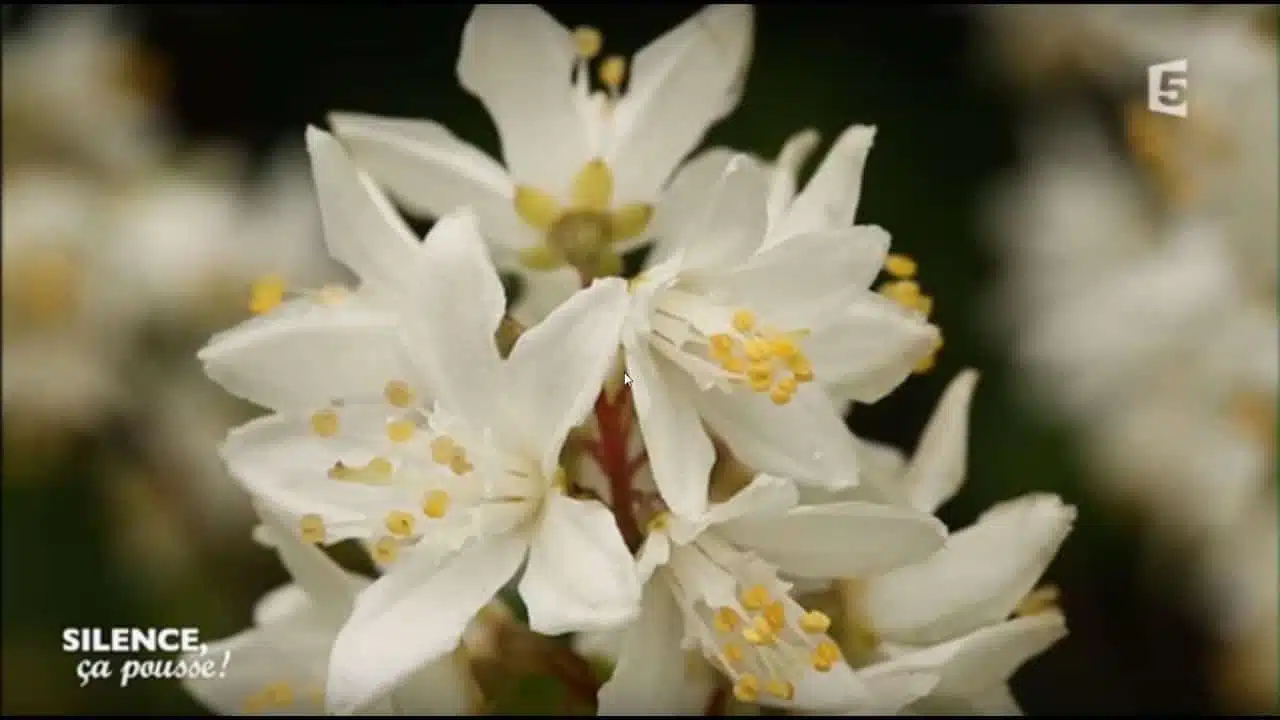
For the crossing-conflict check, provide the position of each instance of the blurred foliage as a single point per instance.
(946, 130)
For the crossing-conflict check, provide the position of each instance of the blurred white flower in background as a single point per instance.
(124, 246)
(1141, 296)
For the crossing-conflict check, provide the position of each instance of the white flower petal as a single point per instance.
(804, 440)
(331, 589)
(415, 614)
(733, 222)
(786, 172)
(830, 198)
(580, 574)
(987, 657)
(839, 539)
(869, 348)
(764, 497)
(653, 674)
(882, 689)
(517, 60)
(558, 366)
(679, 451)
(304, 354)
(455, 310)
(680, 84)
(811, 275)
(431, 172)
(937, 469)
(685, 198)
(279, 461)
(542, 292)
(361, 228)
(976, 579)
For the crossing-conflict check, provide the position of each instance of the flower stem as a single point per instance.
(611, 454)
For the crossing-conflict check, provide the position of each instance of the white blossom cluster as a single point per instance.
(118, 239)
(659, 464)
(1142, 297)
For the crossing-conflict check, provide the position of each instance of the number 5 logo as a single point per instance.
(1167, 86)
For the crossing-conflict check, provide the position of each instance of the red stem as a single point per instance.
(612, 456)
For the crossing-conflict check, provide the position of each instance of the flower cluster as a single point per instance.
(659, 464)
(1142, 299)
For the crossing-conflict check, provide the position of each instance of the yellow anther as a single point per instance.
(926, 363)
(459, 464)
(380, 466)
(311, 528)
(754, 636)
(613, 70)
(788, 385)
(436, 504)
(747, 689)
(781, 689)
(776, 615)
(587, 41)
(755, 597)
(332, 295)
(659, 522)
(904, 292)
(900, 266)
(443, 449)
(757, 350)
(267, 294)
(398, 394)
(399, 431)
(400, 523)
(324, 423)
(815, 621)
(726, 619)
(760, 372)
(785, 348)
(278, 694)
(761, 385)
(801, 369)
(744, 321)
(340, 471)
(734, 365)
(1041, 600)
(765, 629)
(733, 654)
(780, 396)
(721, 346)
(825, 656)
(385, 550)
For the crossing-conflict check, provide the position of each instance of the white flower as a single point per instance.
(279, 665)
(713, 587)
(728, 333)
(76, 91)
(475, 476)
(582, 170)
(827, 202)
(949, 614)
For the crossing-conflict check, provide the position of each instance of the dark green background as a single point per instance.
(946, 131)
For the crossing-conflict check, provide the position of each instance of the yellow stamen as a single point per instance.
(400, 523)
(398, 394)
(443, 449)
(593, 187)
(780, 396)
(436, 504)
(324, 423)
(587, 41)
(755, 597)
(340, 471)
(311, 528)
(815, 622)
(380, 466)
(267, 294)
(613, 70)
(385, 550)
(726, 619)
(747, 689)
(659, 522)
(900, 266)
(776, 615)
(733, 654)
(825, 656)
(781, 689)
(744, 321)
(399, 431)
